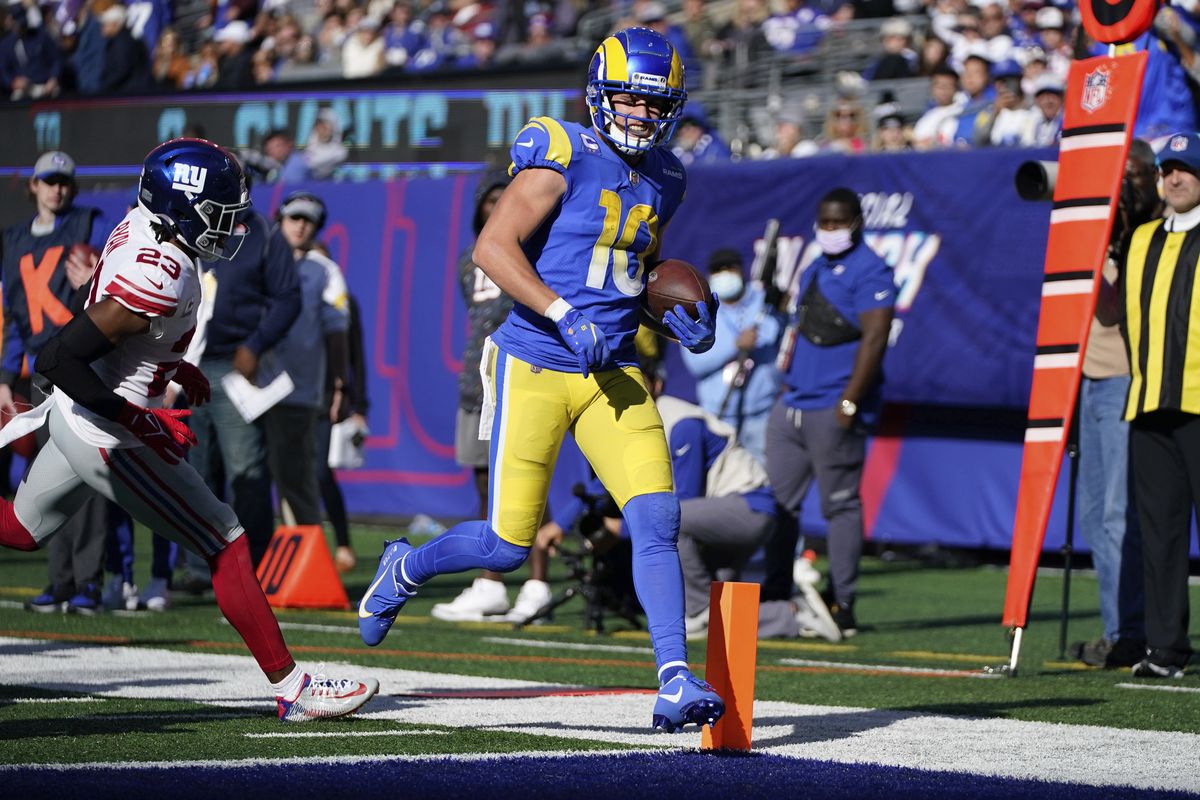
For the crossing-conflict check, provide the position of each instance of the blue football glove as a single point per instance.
(585, 340)
(696, 335)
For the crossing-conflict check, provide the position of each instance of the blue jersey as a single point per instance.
(854, 282)
(593, 248)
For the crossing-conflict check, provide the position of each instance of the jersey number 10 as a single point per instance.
(610, 246)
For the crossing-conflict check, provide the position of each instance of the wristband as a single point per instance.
(557, 310)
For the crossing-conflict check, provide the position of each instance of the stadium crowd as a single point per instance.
(996, 69)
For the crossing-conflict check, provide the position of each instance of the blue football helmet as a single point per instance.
(642, 62)
(197, 190)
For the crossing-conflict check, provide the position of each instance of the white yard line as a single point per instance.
(552, 645)
(49, 700)
(340, 734)
(1155, 687)
(857, 667)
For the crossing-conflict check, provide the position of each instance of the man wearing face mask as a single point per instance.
(744, 328)
(830, 360)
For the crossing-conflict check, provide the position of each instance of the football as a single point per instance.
(673, 282)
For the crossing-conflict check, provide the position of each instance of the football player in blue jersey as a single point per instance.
(570, 241)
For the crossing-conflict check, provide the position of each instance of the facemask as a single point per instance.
(727, 284)
(835, 241)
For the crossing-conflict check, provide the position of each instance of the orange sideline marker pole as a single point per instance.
(731, 662)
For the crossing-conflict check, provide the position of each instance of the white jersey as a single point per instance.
(157, 280)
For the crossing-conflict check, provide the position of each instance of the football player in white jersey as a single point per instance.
(108, 430)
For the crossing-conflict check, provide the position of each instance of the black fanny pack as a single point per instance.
(819, 321)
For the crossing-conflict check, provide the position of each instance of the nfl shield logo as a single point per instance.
(634, 178)
(1096, 89)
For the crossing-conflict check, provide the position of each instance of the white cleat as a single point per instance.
(157, 596)
(119, 594)
(532, 598)
(322, 697)
(483, 598)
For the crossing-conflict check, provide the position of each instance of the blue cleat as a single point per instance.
(686, 700)
(386, 595)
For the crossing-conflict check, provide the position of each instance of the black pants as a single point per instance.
(291, 456)
(331, 492)
(1164, 448)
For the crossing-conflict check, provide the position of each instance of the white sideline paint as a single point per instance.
(1081, 754)
(344, 734)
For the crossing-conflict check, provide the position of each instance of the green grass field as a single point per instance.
(942, 623)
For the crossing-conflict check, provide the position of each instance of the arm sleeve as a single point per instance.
(283, 289)
(687, 458)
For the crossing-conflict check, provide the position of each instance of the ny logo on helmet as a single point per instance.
(189, 179)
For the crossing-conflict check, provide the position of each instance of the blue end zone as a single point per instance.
(659, 776)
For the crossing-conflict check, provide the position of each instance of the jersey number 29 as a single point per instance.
(609, 245)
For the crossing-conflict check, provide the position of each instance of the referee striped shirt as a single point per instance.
(1162, 318)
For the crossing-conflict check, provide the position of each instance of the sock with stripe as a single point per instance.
(653, 521)
(13, 534)
(241, 600)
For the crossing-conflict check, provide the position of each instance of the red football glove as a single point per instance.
(160, 429)
(195, 385)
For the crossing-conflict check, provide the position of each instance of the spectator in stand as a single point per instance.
(1046, 117)
(87, 62)
(976, 81)
(891, 136)
(170, 64)
(236, 59)
(937, 125)
(445, 43)
(332, 35)
(934, 53)
(963, 35)
(742, 39)
(1052, 32)
(1033, 66)
(897, 60)
(30, 60)
(993, 28)
(324, 151)
(1023, 26)
(126, 67)
(789, 138)
(363, 52)
(402, 41)
(695, 141)
(225, 11)
(845, 129)
(146, 20)
(653, 15)
(262, 66)
(483, 48)
(203, 73)
(538, 46)
(798, 30)
(1004, 122)
(700, 29)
